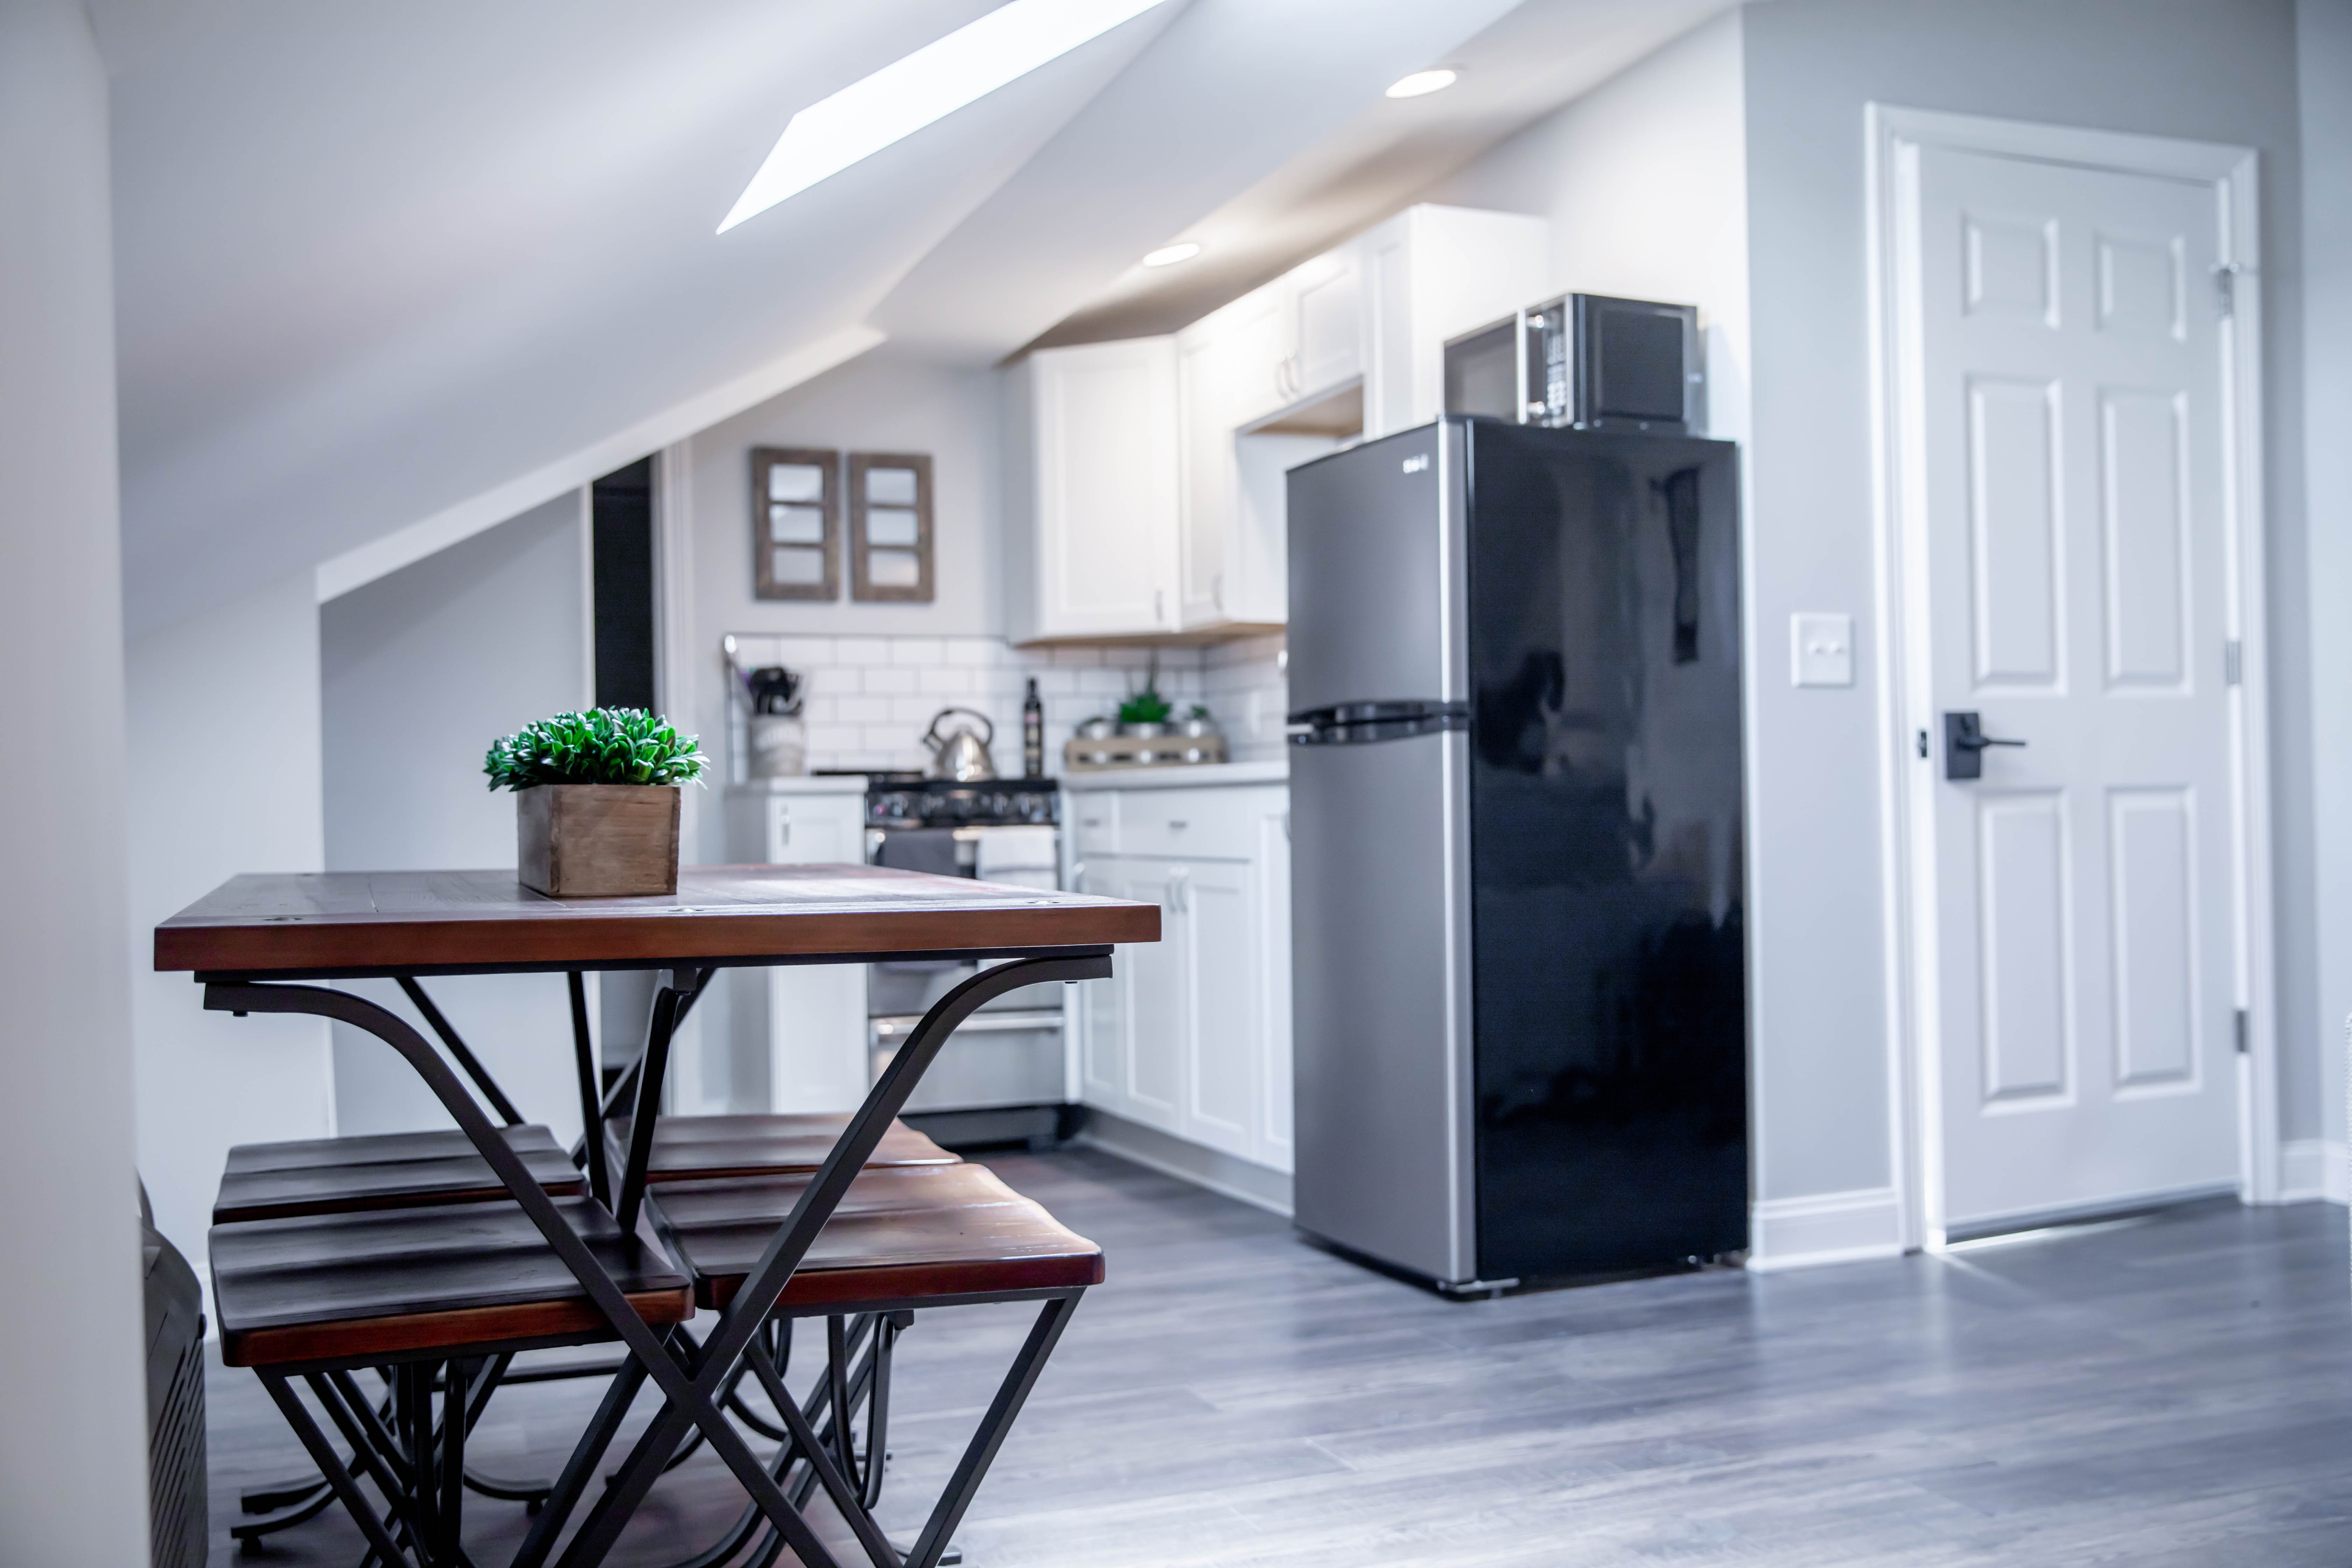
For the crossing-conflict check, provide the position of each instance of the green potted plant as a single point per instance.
(1144, 713)
(596, 801)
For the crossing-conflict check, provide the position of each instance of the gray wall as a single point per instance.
(2219, 70)
(2323, 56)
(237, 685)
(73, 1440)
(419, 671)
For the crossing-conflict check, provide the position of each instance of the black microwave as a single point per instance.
(1586, 361)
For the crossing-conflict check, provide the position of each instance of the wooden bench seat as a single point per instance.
(703, 1148)
(355, 1287)
(381, 1171)
(920, 1235)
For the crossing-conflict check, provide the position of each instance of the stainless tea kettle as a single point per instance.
(959, 754)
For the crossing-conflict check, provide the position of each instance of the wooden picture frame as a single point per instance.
(890, 526)
(795, 522)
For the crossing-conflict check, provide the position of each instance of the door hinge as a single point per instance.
(2243, 1031)
(2233, 662)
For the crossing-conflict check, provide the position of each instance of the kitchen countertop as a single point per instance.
(1182, 776)
(805, 783)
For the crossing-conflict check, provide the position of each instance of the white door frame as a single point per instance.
(1896, 136)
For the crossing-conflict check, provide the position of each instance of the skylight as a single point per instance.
(930, 84)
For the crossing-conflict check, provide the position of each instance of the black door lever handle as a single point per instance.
(1964, 745)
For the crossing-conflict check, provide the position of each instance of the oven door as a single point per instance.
(1011, 1051)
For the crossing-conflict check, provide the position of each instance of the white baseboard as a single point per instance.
(1260, 1186)
(1828, 1227)
(2312, 1168)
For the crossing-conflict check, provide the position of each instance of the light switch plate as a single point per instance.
(1820, 648)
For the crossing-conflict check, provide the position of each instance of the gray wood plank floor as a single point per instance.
(2174, 1390)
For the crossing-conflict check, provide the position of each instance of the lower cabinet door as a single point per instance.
(1159, 1004)
(1136, 1020)
(1223, 955)
(1102, 1006)
(817, 1036)
(1273, 868)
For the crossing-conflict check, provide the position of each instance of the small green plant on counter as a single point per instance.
(1198, 710)
(1145, 707)
(602, 746)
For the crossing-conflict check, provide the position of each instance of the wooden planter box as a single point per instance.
(597, 841)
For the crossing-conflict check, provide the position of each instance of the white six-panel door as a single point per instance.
(2065, 343)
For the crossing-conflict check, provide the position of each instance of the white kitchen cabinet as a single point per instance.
(1432, 273)
(1146, 493)
(807, 1022)
(1095, 473)
(1328, 296)
(1191, 1035)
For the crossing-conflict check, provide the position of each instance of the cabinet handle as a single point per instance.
(1159, 605)
(1180, 898)
(1177, 826)
(1217, 592)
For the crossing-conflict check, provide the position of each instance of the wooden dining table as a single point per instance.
(268, 943)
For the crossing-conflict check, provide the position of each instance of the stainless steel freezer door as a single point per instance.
(1379, 976)
(1375, 584)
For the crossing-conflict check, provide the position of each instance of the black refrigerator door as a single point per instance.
(1608, 953)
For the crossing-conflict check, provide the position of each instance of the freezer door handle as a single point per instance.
(1358, 723)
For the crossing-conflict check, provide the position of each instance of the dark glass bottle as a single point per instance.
(1032, 735)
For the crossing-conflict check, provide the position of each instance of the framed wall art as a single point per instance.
(795, 524)
(890, 526)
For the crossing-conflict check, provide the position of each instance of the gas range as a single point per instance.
(910, 800)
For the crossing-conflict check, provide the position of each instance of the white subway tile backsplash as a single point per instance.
(869, 699)
(862, 650)
(798, 652)
(916, 711)
(918, 650)
(829, 680)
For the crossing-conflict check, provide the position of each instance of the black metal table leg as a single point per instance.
(689, 1397)
(762, 1288)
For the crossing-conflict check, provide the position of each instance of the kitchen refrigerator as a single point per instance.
(1518, 954)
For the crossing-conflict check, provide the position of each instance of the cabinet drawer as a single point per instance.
(1094, 821)
(1202, 824)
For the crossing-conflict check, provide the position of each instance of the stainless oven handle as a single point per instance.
(978, 1024)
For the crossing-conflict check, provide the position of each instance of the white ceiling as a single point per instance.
(373, 261)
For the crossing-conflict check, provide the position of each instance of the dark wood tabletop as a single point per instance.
(339, 924)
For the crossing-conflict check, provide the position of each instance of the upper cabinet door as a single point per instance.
(1204, 375)
(1330, 294)
(1260, 331)
(1104, 424)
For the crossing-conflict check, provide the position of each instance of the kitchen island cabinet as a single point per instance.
(1191, 1037)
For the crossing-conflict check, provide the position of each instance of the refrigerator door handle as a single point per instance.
(1356, 723)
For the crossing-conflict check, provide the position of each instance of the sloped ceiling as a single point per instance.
(373, 261)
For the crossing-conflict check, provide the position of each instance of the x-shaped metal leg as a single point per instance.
(692, 1399)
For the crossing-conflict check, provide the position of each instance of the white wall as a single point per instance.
(1645, 181)
(73, 1440)
(880, 402)
(2222, 72)
(420, 671)
(223, 779)
(2323, 70)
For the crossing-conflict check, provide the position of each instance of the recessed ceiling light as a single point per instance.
(933, 82)
(1170, 255)
(1421, 83)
